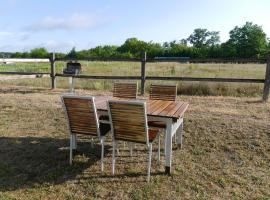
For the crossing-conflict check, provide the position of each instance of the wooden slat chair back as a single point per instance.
(163, 92)
(129, 121)
(125, 90)
(82, 115)
(82, 118)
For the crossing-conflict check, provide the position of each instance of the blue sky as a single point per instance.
(59, 25)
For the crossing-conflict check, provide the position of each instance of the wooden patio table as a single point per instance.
(170, 112)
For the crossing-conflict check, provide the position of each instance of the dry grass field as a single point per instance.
(226, 153)
(212, 70)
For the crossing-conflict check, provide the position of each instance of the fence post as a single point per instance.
(143, 62)
(267, 81)
(52, 60)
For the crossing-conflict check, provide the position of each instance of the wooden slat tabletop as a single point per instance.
(160, 108)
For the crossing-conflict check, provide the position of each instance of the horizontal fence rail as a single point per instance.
(163, 78)
(23, 60)
(100, 59)
(228, 80)
(101, 77)
(25, 73)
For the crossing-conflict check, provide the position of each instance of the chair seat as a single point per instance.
(104, 128)
(157, 124)
(152, 134)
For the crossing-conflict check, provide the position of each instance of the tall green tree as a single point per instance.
(72, 53)
(203, 38)
(213, 38)
(248, 41)
(39, 53)
(134, 46)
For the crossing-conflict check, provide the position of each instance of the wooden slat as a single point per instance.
(166, 110)
(180, 112)
(175, 108)
(125, 90)
(154, 107)
(101, 102)
(151, 105)
(163, 92)
(128, 121)
(81, 115)
(161, 108)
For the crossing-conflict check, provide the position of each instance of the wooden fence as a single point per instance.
(143, 77)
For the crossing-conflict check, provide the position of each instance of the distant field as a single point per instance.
(153, 69)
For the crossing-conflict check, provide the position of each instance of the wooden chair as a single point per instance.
(122, 90)
(125, 90)
(82, 118)
(129, 123)
(162, 92)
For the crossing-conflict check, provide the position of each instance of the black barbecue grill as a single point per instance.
(73, 68)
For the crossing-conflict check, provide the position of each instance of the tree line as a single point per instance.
(247, 41)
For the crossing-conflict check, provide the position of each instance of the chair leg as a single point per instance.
(92, 143)
(116, 147)
(149, 162)
(159, 148)
(74, 141)
(102, 153)
(175, 138)
(130, 148)
(165, 142)
(70, 149)
(113, 158)
(180, 136)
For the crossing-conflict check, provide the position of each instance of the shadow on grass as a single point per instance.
(29, 161)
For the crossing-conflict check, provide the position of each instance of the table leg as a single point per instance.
(168, 155)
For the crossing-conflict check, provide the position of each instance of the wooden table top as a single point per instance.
(160, 108)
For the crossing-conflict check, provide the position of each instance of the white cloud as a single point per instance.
(61, 46)
(76, 21)
(14, 36)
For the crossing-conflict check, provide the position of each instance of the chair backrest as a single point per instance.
(163, 92)
(125, 90)
(81, 114)
(128, 120)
